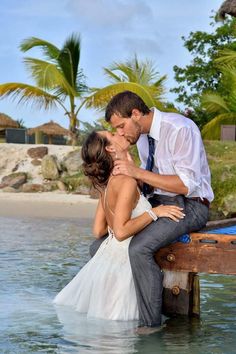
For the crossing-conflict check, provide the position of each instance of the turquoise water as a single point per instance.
(38, 257)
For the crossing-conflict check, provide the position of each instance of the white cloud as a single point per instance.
(142, 45)
(111, 31)
(37, 9)
(110, 14)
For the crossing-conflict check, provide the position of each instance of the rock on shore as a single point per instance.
(22, 165)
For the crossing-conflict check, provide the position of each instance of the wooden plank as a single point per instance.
(206, 253)
(216, 224)
(195, 311)
(179, 296)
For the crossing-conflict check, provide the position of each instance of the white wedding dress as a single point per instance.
(104, 287)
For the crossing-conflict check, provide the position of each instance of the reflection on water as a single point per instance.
(37, 259)
(97, 335)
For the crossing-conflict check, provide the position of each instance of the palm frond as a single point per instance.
(214, 103)
(160, 82)
(126, 72)
(28, 94)
(133, 70)
(111, 75)
(100, 97)
(232, 101)
(212, 129)
(48, 76)
(49, 50)
(226, 57)
(69, 59)
(228, 78)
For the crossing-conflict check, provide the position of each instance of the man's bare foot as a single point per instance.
(149, 330)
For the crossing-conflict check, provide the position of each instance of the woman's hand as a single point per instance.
(169, 211)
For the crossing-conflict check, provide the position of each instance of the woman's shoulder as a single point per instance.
(123, 181)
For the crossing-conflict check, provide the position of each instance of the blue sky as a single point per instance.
(111, 30)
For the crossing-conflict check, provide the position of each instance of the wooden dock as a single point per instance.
(207, 252)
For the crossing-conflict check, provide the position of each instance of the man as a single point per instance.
(180, 175)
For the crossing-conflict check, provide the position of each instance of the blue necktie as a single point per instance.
(147, 189)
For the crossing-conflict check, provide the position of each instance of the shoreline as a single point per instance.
(47, 205)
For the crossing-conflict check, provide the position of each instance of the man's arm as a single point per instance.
(169, 183)
(186, 151)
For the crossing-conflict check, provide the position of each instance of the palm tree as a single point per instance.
(56, 79)
(221, 107)
(137, 76)
(21, 123)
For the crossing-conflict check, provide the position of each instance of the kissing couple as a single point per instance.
(140, 210)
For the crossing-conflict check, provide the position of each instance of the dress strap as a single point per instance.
(105, 197)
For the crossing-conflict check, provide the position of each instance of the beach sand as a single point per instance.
(47, 205)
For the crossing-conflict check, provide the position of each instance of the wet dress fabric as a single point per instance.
(104, 287)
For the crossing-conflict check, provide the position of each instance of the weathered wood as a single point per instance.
(177, 293)
(206, 253)
(216, 224)
(195, 311)
(181, 294)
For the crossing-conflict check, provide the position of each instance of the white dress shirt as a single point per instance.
(179, 150)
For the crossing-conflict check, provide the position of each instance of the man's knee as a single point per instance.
(138, 249)
(95, 245)
(93, 248)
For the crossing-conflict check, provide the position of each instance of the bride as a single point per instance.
(104, 287)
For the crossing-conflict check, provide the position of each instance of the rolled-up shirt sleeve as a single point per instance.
(186, 150)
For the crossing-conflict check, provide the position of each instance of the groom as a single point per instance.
(179, 175)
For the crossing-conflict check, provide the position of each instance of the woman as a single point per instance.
(104, 287)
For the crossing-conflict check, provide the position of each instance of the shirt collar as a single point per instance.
(156, 124)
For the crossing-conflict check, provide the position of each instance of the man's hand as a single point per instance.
(127, 168)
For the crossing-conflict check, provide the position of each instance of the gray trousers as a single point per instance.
(147, 275)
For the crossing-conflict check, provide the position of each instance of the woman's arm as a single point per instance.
(100, 222)
(123, 225)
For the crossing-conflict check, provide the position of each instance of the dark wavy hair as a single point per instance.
(123, 104)
(97, 162)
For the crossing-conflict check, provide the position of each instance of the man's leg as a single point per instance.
(95, 245)
(147, 274)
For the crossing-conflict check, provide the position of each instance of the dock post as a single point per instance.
(181, 294)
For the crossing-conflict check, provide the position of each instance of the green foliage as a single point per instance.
(221, 107)
(75, 181)
(28, 94)
(140, 77)
(134, 153)
(100, 98)
(141, 72)
(56, 78)
(212, 130)
(21, 123)
(222, 162)
(87, 128)
(203, 73)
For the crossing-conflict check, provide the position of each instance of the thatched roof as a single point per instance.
(50, 128)
(7, 122)
(227, 8)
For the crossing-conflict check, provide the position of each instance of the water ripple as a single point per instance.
(40, 257)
